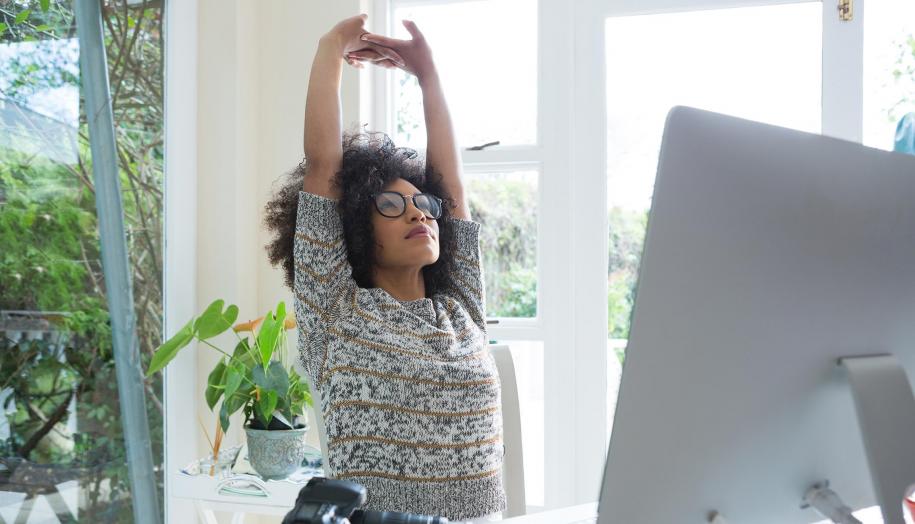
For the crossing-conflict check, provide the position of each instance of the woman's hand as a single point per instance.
(345, 35)
(416, 53)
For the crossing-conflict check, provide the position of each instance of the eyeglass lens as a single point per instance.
(392, 204)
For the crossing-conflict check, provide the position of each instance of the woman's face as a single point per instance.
(409, 240)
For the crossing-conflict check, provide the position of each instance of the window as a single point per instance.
(490, 77)
(724, 60)
(606, 74)
(506, 205)
(489, 100)
(486, 53)
(60, 426)
(889, 69)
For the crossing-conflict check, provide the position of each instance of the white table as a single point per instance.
(201, 490)
(558, 516)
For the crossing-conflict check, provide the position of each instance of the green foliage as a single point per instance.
(50, 241)
(33, 20)
(49, 260)
(506, 208)
(627, 234)
(253, 377)
(214, 320)
(518, 293)
(903, 79)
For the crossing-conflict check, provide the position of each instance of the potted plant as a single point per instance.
(256, 378)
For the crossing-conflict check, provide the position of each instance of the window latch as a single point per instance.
(845, 10)
(484, 146)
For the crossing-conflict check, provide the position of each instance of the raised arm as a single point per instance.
(441, 148)
(323, 114)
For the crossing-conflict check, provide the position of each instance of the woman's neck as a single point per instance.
(401, 283)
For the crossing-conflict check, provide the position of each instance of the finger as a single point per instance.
(366, 54)
(388, 53)
(387, 64)
(383, 40)
(412, 29)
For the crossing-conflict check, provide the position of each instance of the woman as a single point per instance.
(385, 265)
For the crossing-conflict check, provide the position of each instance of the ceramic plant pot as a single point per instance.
(275, 454)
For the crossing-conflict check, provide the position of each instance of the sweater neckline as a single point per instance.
(421, 307)
(380, 292)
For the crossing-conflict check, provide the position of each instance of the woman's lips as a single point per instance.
(420, 231)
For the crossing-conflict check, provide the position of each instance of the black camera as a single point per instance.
(332, 501)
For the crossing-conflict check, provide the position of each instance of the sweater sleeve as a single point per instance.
(467, 284)
(322, 272)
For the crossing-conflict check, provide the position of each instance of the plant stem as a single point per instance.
(216, 348)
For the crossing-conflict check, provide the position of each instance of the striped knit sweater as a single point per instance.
(409, 392)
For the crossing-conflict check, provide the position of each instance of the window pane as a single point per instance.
(505, 204)
(723, 60)
(62, 455)
(528, 359)
(486, 55)
(889, 69)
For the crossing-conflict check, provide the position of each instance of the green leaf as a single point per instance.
(270, 332)
(169, 350)
(22, 16)
(45, 5)
(234, 378)
(231, 404)
(42, 27)
(3, 28)
(214, 321)
(224, 416)
(265, 406)
(243, 353)
(216, 384)
(273, 379)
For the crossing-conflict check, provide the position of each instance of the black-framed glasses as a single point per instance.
(393, 204)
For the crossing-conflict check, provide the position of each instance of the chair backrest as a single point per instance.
(322, 431)
(513, 460)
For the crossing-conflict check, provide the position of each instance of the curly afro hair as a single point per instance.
(370, 163)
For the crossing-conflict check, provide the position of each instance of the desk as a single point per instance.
(558, 516)
(202, 491)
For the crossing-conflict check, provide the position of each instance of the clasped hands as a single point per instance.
(360, 46)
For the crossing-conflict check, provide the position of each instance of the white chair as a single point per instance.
(513, 461)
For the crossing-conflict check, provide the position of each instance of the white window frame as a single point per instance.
(179, 283)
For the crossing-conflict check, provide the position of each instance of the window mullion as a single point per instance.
(843, 72)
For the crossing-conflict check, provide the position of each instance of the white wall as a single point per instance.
(254, 61)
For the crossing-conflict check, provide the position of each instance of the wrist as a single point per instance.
(428, 79)
(331, 41)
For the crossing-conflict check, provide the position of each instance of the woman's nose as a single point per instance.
(414, 213)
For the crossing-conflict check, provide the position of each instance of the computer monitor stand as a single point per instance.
(886, 415)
